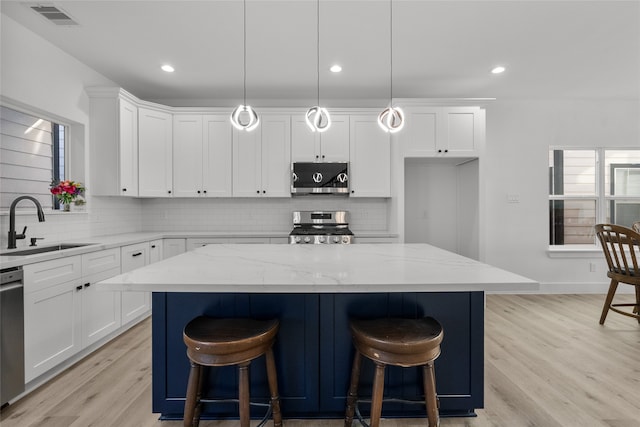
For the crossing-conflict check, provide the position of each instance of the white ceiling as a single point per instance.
(442, 49)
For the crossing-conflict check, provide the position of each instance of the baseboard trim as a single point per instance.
(571, 288)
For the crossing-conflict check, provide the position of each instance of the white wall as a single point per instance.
(519, 133)
(39, 77)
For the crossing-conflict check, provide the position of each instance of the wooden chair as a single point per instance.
(225, 342)
(621, 247)
(636, 226)
(396, 342)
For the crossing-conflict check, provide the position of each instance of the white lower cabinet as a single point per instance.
(156, 251)
(197, 243)
(173, 247)
(134, 304)
(100, 309)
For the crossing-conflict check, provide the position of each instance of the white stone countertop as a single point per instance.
(99, 243)
(260, 268)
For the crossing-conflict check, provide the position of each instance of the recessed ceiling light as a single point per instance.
(335, 68)
(498, 70)
(168, 68)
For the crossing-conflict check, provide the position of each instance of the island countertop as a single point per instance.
(278, 268)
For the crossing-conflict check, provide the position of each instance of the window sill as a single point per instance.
(574, 251)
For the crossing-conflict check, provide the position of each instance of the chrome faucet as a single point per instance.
(13, 236)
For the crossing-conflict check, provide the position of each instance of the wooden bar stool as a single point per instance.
(226, 342)
(396, 342)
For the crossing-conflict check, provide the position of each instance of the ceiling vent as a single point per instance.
(54, 15)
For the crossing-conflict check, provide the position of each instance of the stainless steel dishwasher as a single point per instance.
(11, 334)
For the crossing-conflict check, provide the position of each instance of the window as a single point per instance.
(32, 154)
(591, 186)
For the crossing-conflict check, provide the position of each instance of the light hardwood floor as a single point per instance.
(548, 364)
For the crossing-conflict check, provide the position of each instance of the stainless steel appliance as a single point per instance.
(320, 178)
(11, 334)
(321, 227)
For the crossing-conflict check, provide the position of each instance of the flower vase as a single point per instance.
(67, 207)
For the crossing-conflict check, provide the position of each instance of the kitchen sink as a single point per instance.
(44, 249)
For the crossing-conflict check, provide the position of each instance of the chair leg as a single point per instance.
(192, 402)
(637, 307)
(430, 395)
(273, 388)
(243, 394)
(607, 302)
(352, 395)
(376, 398)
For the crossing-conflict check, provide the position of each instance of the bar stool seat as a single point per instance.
(226, 342)
(395, 342)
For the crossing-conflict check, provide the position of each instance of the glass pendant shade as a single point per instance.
(244, 117)
(391, 119)
(318, 119)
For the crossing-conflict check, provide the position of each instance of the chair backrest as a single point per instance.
(636, 227)
(621, 246)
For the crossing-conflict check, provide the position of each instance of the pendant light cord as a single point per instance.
(390, 52)
(244, 49)
(318, 47)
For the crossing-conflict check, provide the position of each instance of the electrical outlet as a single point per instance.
(513, 198)
(592, 267)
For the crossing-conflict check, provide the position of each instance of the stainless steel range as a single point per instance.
(321, 228)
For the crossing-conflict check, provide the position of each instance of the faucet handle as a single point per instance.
(23, 234)
(34, 239)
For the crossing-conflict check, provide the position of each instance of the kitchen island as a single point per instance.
(314, 290)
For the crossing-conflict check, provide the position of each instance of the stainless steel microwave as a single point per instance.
(319, 178)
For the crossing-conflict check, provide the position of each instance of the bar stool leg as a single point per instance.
(430, 397)
(352, 395)
(192, 402)
(273, 387)
(376, 398)
(243, 394)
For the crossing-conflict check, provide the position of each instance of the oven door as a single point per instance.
(320, 178)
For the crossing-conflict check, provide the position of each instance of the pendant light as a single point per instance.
(318, 118)
(391, 119)
(244, 117)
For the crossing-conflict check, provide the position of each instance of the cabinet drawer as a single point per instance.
(134, 256)
(49, 273)
(96, 262)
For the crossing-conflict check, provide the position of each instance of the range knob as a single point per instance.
(321, 239)
(345, 239)
(336, 239)
(307, 239)
(297, 239)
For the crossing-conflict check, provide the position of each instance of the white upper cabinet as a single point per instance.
(442, 131)
(114, 142)
(370, 167)
(262, 158)
(329, 146)
(155, 162)
(202, 155)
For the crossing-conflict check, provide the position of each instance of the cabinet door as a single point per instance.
(134, 304)
(334, 142)
(128, 148)
(155, 165)
(247, 163)
(305, 144)
(462, 130)
(370, 167)
(217, 155)
(173, 247)
(156, 250)
(101, 310)
(52, 328)
(187, 155)
(418, 138)
(276, 156)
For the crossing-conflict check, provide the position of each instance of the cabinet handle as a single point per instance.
(124, 189)
(198, 191)
(446, 151)
(205, 191)
(79, 288)
(169, 191)
(439, 151)
(264, 191)
(323, 156)
(86, 285)
(258, 191)
(153, 246)
(137, 254)
(317, 157)
(353, 191)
